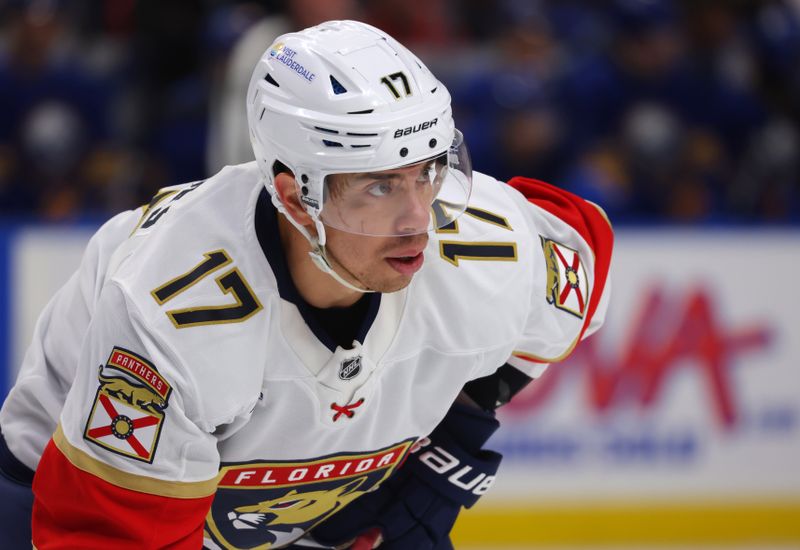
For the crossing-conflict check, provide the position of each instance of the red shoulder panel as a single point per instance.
(587, 219)
(75, 509)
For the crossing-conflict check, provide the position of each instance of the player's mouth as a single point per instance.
(408, 263)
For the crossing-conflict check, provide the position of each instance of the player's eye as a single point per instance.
(426, 175)
(380, 189)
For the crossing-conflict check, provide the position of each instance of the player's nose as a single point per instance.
(414, 213)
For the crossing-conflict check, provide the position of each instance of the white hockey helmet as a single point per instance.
(346, 98)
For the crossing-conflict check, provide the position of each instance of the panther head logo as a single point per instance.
(295, 508)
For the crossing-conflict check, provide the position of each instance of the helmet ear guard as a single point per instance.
(317, 253)
(344, 97)
(288, 193)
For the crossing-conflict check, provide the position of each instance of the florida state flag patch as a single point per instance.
(567, 288)
(129, 406)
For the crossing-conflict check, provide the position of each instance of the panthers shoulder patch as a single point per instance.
(567, 287)
(129, 406)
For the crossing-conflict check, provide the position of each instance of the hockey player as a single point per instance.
(306, 350)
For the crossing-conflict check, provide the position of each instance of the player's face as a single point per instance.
(402, 197)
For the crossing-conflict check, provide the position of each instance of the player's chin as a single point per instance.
(393, 282)
(395, 287)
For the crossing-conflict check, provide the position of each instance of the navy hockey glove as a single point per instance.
(417, 507)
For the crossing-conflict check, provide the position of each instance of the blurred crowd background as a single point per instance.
(684, 111)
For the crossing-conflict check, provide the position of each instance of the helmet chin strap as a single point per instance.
(320, 259)
(318, 254)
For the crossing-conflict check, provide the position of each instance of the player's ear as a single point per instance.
(289, 194)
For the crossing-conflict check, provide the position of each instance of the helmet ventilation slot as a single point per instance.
(271, 80)
(337, 86)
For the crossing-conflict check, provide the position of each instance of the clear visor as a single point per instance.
(408, 200)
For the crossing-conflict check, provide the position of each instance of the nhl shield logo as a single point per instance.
(128, 408)
(350, 368)
(567, 288)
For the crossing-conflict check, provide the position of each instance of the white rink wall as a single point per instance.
(40, 261)
(678, 424)
(693, 385)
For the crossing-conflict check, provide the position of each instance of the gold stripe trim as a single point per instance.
(537, 359)
(142, 484)
(633, 525)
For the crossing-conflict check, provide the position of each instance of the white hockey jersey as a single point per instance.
(190, 371)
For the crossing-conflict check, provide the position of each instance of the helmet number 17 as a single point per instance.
(389, 80)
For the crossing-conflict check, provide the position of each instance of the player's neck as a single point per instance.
(316, 288)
